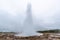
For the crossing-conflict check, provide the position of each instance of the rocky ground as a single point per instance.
(41, 37)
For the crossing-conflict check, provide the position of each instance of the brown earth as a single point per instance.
(41, 37)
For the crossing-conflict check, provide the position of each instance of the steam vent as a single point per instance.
(28, 23)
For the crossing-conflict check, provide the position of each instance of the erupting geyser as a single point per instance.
(28, 27)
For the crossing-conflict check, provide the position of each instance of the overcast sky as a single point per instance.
(41, 9)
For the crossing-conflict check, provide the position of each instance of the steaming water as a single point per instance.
(28, 30)
(25, 35)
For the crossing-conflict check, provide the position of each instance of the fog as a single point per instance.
(45, 13)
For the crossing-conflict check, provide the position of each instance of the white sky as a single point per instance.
(42, 9)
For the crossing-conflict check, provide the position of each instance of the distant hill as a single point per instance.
(50, 31)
